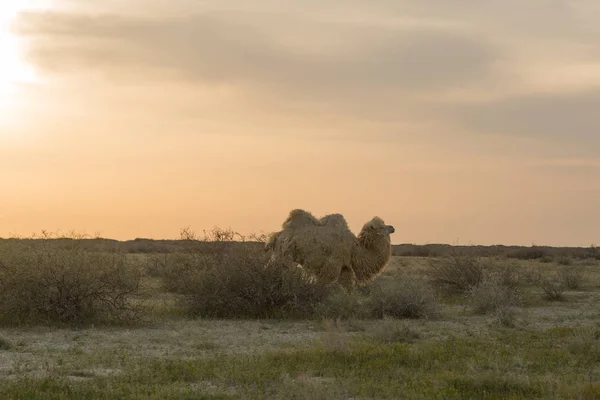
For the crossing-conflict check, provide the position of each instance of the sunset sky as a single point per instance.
(461, 121)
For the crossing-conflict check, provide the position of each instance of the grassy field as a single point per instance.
(531, 333)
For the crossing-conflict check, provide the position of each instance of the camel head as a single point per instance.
(374, 231)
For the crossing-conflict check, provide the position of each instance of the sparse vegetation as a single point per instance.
(417, 331)
(513, 364)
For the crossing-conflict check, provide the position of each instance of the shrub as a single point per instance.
(565, 260)
(45, 283)
(505, 317)
(403, 297)
(241, 284)
(498, 291)
(553, 288)
(180, 270)
(456, 273)
(492, 294)
(157, 264)
(507, 275)
(532, 275)
(571, 277)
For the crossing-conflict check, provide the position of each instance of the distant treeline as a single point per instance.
(141, 245)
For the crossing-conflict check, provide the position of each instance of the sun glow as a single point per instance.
(13, 69)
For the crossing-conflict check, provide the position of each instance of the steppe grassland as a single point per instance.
(511, 339)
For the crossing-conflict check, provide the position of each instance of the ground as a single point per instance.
(544, 349)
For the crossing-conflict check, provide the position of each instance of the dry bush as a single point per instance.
(157, 264)
(44, 283)
(498, 291)
(493, 294)
(508, 275)
(572, 277)
(505, 317)
(243, 285)
(553, 288)
(220, 278)
(565, 260)
(402, 297)
(456, 273)
(181, 270)
(532, 275)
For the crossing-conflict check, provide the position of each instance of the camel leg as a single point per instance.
(347, 278)
(284, 261)
(328, 273)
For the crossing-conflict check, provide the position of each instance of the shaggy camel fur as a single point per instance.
(327, 248)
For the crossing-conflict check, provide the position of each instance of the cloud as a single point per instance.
(543, 116)
(361, 67)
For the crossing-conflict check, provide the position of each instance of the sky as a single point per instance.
(462, 122)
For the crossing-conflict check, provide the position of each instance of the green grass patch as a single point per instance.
(509, 364)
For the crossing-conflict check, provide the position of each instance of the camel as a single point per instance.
(329, 250)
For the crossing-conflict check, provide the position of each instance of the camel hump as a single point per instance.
(298, 218)
(334, 220)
